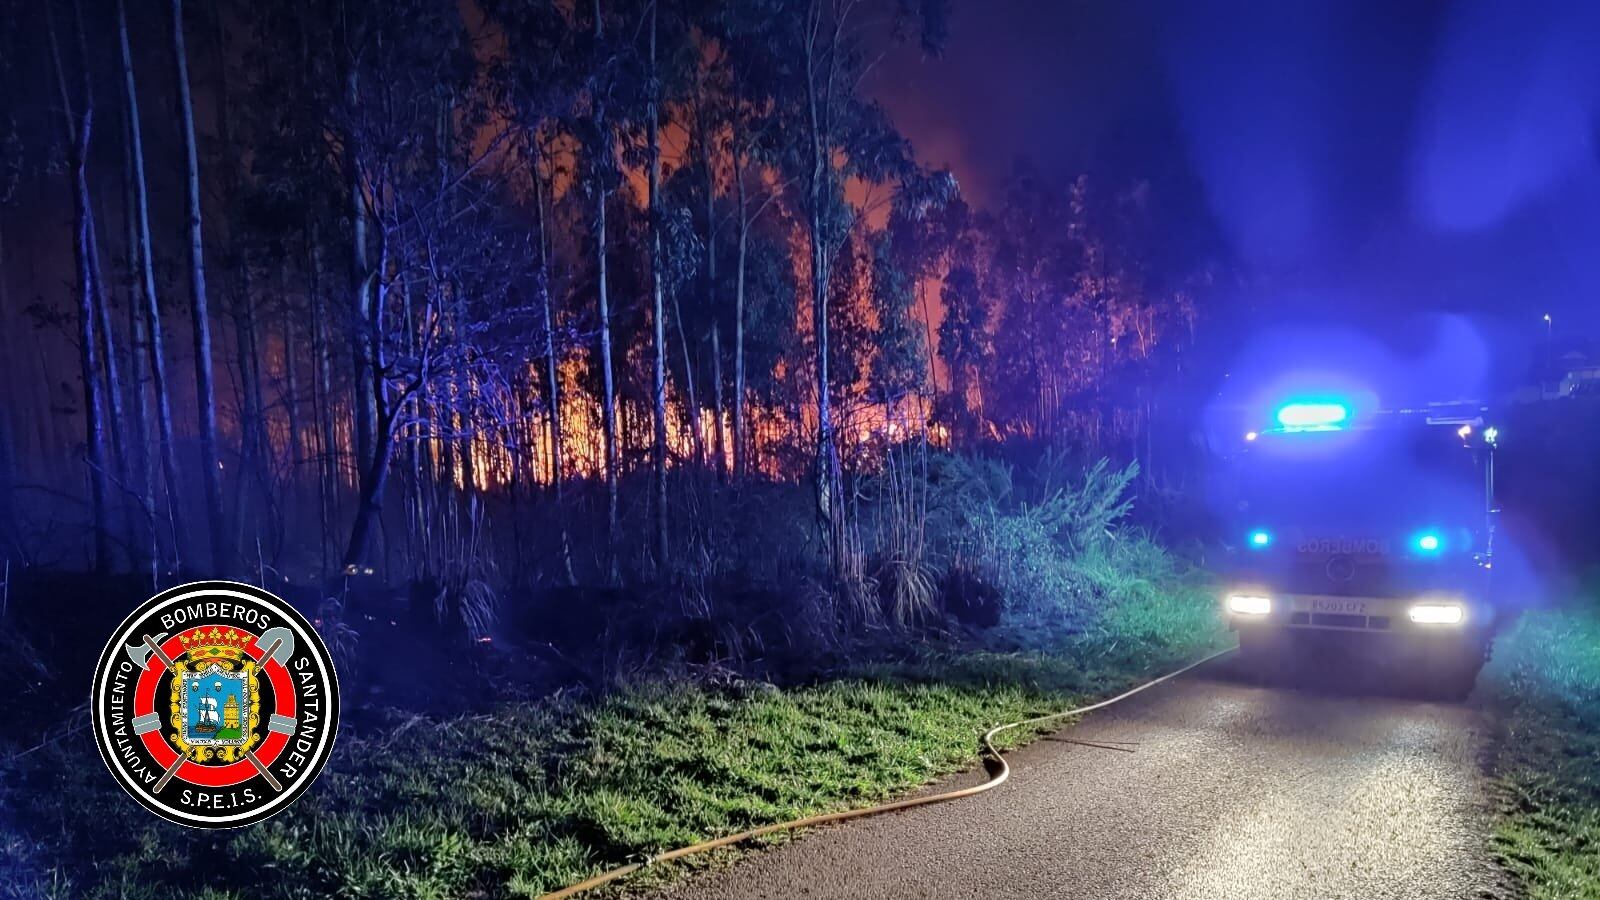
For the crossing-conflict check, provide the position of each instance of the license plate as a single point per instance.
(1340, 607)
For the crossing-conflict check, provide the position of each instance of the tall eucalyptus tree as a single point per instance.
(143, 264)
(222, 553)
(77, 120)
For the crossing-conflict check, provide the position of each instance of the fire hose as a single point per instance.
(999, 771)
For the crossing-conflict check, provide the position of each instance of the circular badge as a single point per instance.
(1341, 568)
(215, 704)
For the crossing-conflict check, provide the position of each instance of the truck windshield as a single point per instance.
(1379, 479)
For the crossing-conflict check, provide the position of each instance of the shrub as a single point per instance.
(1054, 546)
(1090, 509)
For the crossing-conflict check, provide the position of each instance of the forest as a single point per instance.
(389, 277)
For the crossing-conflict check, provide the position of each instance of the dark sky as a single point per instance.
(1358, 158)
(1055, 83)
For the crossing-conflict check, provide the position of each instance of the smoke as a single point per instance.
(1376, 157)
(1445, 359)
(1509, 110)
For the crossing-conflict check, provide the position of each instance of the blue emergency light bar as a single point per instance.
(1316, 416)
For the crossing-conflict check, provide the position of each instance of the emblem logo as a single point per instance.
(1341, 568)
(215, 704)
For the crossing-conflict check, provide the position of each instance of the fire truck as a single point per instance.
(1372, 529)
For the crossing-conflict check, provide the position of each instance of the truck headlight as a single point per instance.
(1436, 613)
(1249, 604)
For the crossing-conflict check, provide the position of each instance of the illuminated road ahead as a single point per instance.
(1232, 791)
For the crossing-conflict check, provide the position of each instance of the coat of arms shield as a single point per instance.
(216, 707)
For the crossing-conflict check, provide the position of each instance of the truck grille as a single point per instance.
(1342, 576)
(1339, 620)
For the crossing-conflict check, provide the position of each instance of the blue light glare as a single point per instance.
(1260, 539)
(1314, 416)
(1428, 542)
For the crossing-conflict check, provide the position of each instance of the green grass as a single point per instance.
(1545, 684)
(539, 796)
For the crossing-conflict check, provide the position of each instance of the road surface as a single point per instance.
(1231, 791)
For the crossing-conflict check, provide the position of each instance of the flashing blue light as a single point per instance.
(1429, 542)
(1317, 416)
(1260, 539)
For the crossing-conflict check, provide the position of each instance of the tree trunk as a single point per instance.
(608, 403)
(375, 471)
(211, 477)
(77, 128)
(105, 335)
(152, 306)
(708, 170)
(826, 461)
(826, 458)
(83, 224)
(552, 368)
(138, 371)
(720, 449)
(819, 199)
(603, 163)
(740, 432)
(716, 380)
(659, 387)
(106, 346)
(364, 401)
(77, 132)
(691, 398)
(373, 482)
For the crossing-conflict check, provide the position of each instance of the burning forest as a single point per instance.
(350, 270)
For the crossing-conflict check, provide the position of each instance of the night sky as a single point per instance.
(1356, 159)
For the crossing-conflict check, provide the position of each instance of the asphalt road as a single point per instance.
(1223, 789)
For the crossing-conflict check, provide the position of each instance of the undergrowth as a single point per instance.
(537, 796)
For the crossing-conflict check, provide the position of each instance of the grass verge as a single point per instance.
(1545, 685)
(539, 796)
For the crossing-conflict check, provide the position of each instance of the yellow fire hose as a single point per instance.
(999, 772)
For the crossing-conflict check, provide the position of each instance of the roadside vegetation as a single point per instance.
(538, 796)
(982, 594)
(1545, 684)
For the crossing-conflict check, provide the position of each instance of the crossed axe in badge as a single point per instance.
(275, 644)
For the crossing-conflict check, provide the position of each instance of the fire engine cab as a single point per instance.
(1372, 528)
